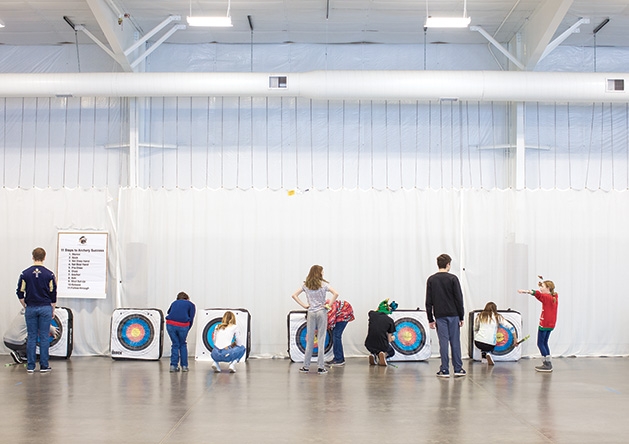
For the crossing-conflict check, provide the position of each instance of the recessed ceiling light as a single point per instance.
(213, 21)
(218, 22)
(448, 22)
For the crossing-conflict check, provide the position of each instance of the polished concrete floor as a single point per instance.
(97, 400)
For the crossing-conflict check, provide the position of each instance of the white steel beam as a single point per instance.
(118, 36)
(500, 48)
(564, 35)
(143, 40)
(155, 45)
(540, 29)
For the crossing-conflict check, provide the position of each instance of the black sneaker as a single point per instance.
(546, 367)
(322, 371)
(45, 369)
(337, 364)
(460, 373)
(17, 358)
(304, 370)
(442, 374)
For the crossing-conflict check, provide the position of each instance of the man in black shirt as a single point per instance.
(380, 333)
(444, 306)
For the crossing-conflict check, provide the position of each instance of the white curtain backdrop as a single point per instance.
(252, 249)
(392, 185)
(33, 218)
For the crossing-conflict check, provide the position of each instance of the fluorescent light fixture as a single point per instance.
(211, 21)
(216, 22)
(448, 22)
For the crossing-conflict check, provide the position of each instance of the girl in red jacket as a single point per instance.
(549, 299)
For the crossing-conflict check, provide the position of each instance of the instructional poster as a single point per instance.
(82, 265)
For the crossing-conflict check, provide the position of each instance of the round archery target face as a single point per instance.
(57, 324)
(505, 338)
(410, 336)
(208, 320)
(135, 332)
(208, 333)
(300, 340)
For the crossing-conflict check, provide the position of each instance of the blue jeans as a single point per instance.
(542, 342)
(317, 321)
(337, 341)
(448, 332)
(179, 349)
(38, 319)
(229, 354)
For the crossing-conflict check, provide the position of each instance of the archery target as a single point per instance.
(61, 346)
(297, 332)
(207, 321)
(137, 333)
(412, 341)
(509, 330)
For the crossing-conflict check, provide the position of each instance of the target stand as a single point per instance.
(207, 320)
(137, 333)
(297, 339)
(61, 346)
(412, 338)
(506, 337)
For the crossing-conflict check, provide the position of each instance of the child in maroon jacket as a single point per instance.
(547, 320)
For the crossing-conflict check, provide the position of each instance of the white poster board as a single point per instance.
(82, 264)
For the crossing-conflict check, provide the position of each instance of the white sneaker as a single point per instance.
(232, 367)
(490, 360)
(216, 367)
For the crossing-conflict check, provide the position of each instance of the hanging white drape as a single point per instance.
(286, 143)
(252, 249)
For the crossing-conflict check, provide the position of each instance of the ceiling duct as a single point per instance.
(342, 85)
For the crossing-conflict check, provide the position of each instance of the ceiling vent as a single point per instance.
(617, 85)
(278, 82)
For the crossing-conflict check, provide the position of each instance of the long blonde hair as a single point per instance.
(490, 311)
(315, 277)
(229, 318)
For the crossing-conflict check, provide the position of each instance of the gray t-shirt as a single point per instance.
(316, 298)
(16, 333)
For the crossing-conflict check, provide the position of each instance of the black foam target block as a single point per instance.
(297, 332)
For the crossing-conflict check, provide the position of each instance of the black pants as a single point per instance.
(390, 351)
(484, 348)
(19, 349)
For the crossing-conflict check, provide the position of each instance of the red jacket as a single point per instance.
(340, 311)
(548, 317)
